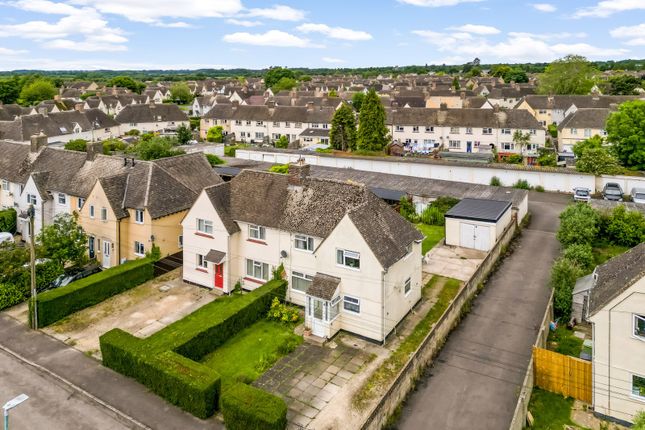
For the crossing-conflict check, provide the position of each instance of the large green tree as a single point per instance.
(10, 89)
(64, 241)
(215, 134)
(37, 91)
(594, 142)
(180, 93)
(572, 74)
(184, 134)
(579, 224)
(624, 85)
(357, 101)
(343, 129)
(127, 82)
(598, 161)
(372, 132)
(274, 74)
(626, 133)
(284, 84)
(156, 147)
(77, 145)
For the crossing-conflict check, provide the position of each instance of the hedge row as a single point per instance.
(8, 219)
(248, 408)
(13, 294)
(56, 304)
(166, 361)
(181, 381)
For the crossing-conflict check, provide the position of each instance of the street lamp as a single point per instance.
(10, 405)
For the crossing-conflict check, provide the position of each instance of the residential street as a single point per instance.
(476, 378)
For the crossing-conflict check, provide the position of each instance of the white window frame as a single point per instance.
(635, 324)
(351, 302)
(506, 131)
(399, 129)
(454, 144)
(5, 185)
(180, 241)
(407, 287)
(301, 276)
(345, 255)
(62, 199)
(632, 394)
(415, 129)
(429, 129)
(306, 241)
(139, 248)
(104, 214)
(487, 131)
(201, 261)
(469, 130)
(335, 302)
(264, 269)
(32, 199)
(80, 202)
(257, 232)
(205, 226)
(455, 130)
(138, 216)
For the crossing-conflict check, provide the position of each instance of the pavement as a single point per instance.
(104, 393)
(476, 379)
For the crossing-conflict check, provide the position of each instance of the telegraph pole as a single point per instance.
(32, 251)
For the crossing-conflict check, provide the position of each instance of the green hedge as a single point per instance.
(8, 218)
(248, 408)
(181, 381)
(56, 304)
(166, 362)
(13, 294)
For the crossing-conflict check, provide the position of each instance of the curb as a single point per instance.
(118, 413)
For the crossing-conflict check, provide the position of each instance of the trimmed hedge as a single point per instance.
(56, 304)
(166, 362)
(8, 219)
(13, 294)
(181, 381)
(248, 408)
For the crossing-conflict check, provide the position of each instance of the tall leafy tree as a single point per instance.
(37, 91)
(215, 134)
(274, 74)
(591, 143)
(180, 93)
(372, 132)
(64, 241)
(284, 84)
(10, 90)
(626, 133)
(572, 74)
(598, 161)
(127, 82)
(357, 101)
(184, 134)
(343, 129)
(624, 85)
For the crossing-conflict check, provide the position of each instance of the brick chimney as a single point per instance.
(38, 141)
(93, 149)
(462, 95)
(298, 172)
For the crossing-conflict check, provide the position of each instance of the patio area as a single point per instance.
(453, 262)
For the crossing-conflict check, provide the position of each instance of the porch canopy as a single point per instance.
(215, 257)
(323, 286)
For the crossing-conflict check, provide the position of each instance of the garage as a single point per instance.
(477, 223)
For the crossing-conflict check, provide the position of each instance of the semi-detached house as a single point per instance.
(151, 118)
(351, 261)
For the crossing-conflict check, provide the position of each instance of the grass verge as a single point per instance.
(433, 234)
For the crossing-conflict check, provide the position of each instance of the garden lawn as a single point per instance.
(433, 234)
(551, 411)
(564, 342)
(604, 251)
(252, 351)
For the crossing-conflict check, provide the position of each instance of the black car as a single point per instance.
(73, 274)
(612, 191)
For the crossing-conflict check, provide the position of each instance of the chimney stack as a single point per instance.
(443, 106)
(38, 141)
(235, 104)
(462, 95)
(93, 149)
(310, 106)
(271, 104)
(496, 107)
(57, 98)
(43, 111)
(298, 172)
(80, 107)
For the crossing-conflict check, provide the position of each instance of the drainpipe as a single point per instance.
(609, 366)
(118, 238)
(383, 307)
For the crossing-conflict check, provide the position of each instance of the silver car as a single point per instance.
(581, 194)
(638, 195)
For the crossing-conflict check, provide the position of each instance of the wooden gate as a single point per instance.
(562, 374)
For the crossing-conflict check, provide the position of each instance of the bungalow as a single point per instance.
(351, 261)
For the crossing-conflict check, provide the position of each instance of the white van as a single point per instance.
(638, 195)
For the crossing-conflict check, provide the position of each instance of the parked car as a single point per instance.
(638, 195)
(581, 194)
(612, 191)
(73, 274)
(5, 237)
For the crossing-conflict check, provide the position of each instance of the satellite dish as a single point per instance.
(283, 254)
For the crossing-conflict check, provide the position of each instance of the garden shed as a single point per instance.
(477, 223)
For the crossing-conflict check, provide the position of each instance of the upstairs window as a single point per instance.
(62, 199)
(31, 199)
(639, 326)
(487, 130)
(257, 232)
(305, 243)
(506, 131)
(399, 129)
(103, 214)
(138, 216)
(454, 130)
(407, 286)
(349, 259)
(415, 129)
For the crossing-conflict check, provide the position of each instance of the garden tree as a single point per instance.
(282, 142)
(180, 93)
(332, 93)
(77, 145)
(516, 75)
(581, 254)
(12, 260)
(624, 85)
(626, 132)
(475, 71)
(407, 210)
(64, 241)
(214, 160)
(274, 74)
(579, 223)
(156, 147)
(372, 132)
(127, 82)
(357, 101)
(112, 145)
(626, 227)
(547, 157)
(305, 78)
(342, 135)
(455, 83)
(284, 84)
(563, 279)
(572, 74)
(215, 134)
(594, 142)
(183, 134)
(10, 89)
(522, 140)
(598, 161)
(37, 91)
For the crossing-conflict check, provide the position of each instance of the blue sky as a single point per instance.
(171, 34)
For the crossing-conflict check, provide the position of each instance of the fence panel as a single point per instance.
(562, 374)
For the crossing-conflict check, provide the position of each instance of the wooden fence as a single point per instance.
(562, 374)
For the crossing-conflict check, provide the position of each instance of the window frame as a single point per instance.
(345, 257)
(63, 197)
(303, 277)
(205, 224)
(92, 212)
(138, 212)
(201, 262)
(5, 185)
(260, 231)
(257, 264)
(407, 286)
(80, 202)
(139, 248)
(334, 302)
(352, 302)
(635, 326)
(307, 240)
(399, 129)
(31, 197)
(640, 397)
(104, 214)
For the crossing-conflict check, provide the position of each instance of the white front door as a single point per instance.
(106, 253)
(317, 312)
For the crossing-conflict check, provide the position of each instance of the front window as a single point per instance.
(103, 214)
(259, 135)
(81, 202)
(508, 146)
(204, 226)
(257, 269)
(334, 308)
(415, 129)
(201, 261)
(574, 131)
(454, 130)
(139, 249)
(257, 232)
(352, 304)
(469, 130)
(506, 131)
(429, 129)
(300, 281)
(31, 199)
(487, 130)
(454, 144)
(638, 386)
(259, 123)
(62, 199)
(349, 259)
(298, 125)
(399, 128)
(305, 243)
(138, 216)
(91, 211)
(276, 124)
(639, 326)
(314, 125)
(5, 185)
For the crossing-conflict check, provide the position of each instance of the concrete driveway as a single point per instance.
(476, 378)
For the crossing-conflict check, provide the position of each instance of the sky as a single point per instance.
(191, 34)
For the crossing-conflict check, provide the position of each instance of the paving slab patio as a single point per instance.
(453, 262)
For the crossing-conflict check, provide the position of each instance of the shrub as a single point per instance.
(553, 130)
(433, 215)
(639, 421)
(283, 142)
(133, 132)
(112, 145)
(76, 145)
(444, 203)
(522, 184)
(8, 219)
(214, 160)
(215, 134)
(579, 223)
(495, 181)
(280, 168)
(626, 227)
(563, 278)
(57, 304)
(13, 294)
(407, 210)
(539, 188)
(229, 151)
(248, 408)
(581, 255)
(282, 312)
(513, 159)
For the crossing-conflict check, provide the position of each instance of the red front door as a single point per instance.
(219, 275)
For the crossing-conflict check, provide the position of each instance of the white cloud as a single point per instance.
(26, 62)
(332, 60)
(634, 35)
(277, 12)
(177, 24)
(544, 7)
(7, 51)
(436, 3)
(86, 46)
(334, 32)
(243, 22)
(476, 29)
(606, 8)
(275, 38)
(549, 36)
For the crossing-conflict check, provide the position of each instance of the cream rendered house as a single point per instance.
(617, 314)
(351, 261)
(582, 124)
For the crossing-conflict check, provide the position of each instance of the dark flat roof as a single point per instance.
(387, 194)
(479, 210)
(227, 170)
